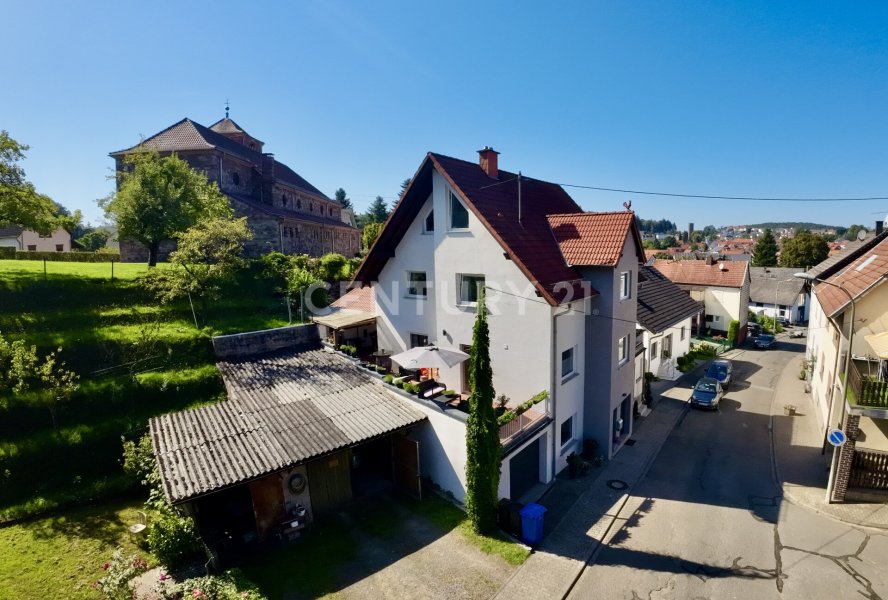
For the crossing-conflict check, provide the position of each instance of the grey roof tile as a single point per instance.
(661, 303)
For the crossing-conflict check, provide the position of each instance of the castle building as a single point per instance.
(284, 211)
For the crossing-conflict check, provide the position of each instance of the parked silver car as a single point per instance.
(707, 393)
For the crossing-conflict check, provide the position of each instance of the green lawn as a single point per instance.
(62, 556)
(135, 358)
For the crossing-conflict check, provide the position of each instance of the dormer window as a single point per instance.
(459, 216)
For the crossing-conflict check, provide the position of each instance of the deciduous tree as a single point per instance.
(765, 252)
(803, 250)
(208, 255)
(20, 204)
(482, 430)
(94, 240)
(369, 234)
(161, 197)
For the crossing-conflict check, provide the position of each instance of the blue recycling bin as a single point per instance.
(532, 523)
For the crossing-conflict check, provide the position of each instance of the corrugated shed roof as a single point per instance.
(283, 409)
(661, 303)
(190, 135)
(770, 283)
(867, 271)
(731, 273)
(593, 239)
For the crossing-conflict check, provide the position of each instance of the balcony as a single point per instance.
(866, 396)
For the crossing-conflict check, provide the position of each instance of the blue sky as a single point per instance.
(723, 98)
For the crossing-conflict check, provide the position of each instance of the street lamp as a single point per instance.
(811, 279)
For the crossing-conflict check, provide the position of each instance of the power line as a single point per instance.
(706, 197)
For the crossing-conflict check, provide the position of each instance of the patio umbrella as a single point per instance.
(429, 357)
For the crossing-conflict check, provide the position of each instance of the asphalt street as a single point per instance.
(709, 521)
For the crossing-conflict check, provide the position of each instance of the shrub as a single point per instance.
(173, 538)
(114, 585)
(399, 383)
(411, 388)
(69, 256)
(388, 378)
(7, 253)
(230, 585)
(450, 392)
(733, 331)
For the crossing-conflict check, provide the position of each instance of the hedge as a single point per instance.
(91, 257)
(7, 253)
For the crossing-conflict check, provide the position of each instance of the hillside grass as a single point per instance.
(62, 556)
(135, 358)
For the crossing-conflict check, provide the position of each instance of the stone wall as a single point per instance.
(240, 345)
(132, 251)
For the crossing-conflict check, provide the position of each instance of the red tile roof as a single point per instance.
(867, 271)
(727, 273)
(594, 239)
(359, 298)
(528, 242)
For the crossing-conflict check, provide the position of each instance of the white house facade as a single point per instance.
(26, 240)
(452, 235)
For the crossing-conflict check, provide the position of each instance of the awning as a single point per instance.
(879, 343)
(344, 318)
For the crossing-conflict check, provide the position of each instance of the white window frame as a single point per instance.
(410, 286)
(682, 333)
(623, 350)
(625, 285)
(572, 420)
(454, 197)
(459, 288)
(573, 363)
(425, 222)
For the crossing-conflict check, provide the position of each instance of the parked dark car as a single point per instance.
(764, 341)
(754, 329)
(707, 393)
(722, 370)
(783, 321)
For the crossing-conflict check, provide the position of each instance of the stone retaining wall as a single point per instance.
(239, 345)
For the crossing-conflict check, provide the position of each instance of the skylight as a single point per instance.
(865, 263)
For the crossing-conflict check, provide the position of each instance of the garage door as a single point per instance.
(524, 470)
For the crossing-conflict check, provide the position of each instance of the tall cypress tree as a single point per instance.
(765, 252)
(482, 430)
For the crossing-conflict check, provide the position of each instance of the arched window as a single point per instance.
(298, 203)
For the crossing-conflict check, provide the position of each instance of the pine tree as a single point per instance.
(342, 198)
(378, 211)
(482, 430)
(765, 252)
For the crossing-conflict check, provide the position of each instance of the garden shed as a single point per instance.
(302, 433)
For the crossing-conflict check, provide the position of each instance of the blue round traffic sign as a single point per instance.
(836, 437)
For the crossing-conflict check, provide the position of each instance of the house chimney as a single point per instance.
(488, 161)
(880, 225)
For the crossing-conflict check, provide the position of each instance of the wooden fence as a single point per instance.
(869, 469)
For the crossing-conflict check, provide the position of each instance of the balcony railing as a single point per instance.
(866, 391)
(523, 422)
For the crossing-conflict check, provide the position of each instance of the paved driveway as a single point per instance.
(708, 521)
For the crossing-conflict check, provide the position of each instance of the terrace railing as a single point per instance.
(866, 390)
(523, 422)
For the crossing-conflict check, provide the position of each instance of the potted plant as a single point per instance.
(574, 465)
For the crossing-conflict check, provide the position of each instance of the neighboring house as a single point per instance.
(775, 290)
(560, 286)
(665, 315)
(284, 211)
(861, 271)
(722, 286)
(30, 241)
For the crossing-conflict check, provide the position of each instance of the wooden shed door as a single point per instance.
(268, 504)
(329, 483)
(405, 454)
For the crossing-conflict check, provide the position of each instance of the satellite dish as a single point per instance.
(861, 234)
